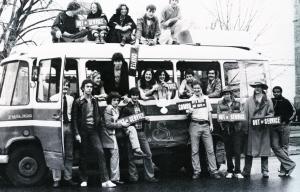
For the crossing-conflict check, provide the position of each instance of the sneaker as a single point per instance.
(97, 40)
(83, 184)
(281, 174)
(118, 182)
(288, 173)
(108, 184)
(238, 175)
(152, 180)
(70, 183)
(195, 176)
(216, 176)
(229, 175)
(122, 43)
(222, 168)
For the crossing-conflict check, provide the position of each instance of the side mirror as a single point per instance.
(35, 72)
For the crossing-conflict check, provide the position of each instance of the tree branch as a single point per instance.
(29, 30)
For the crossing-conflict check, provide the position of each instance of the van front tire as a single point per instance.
(26, 166)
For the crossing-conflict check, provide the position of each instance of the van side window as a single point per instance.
(71, 75)
(208, 73)
(48, 79)
(155, 80)
(232, 77)
(14, 87)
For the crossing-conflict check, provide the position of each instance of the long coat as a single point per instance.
(258, 143)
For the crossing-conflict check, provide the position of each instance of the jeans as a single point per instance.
(68, 144)
(197, 132)
(148, 164)
(280, 136)
(248, 165)
(114, 164)
(91, 135)
(133, 137)
(233, 139)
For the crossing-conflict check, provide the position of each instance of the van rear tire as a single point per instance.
(26, 166)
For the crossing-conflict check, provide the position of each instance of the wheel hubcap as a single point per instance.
(28, 166)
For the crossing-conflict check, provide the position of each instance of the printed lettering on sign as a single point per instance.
(171, 86)
(197, 104)
(182, 106)
(132, 118)
(133, 61)
(266, 121)
(90, 22)
(231, 117)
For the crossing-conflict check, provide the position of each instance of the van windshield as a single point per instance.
(14, 83)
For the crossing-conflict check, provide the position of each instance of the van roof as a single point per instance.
(166, 52)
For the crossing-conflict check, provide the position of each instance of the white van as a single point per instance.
(31, 132)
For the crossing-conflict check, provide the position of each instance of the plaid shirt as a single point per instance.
(138, 125)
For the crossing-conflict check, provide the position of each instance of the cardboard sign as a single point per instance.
(133, 61)
(132, 118)
(196, 104)
(231, 117)
(90, 22)
(183, 106)
(266, 121)
(171, 86)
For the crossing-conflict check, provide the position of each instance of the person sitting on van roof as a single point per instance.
(186, 88)
(162, 79)
(98, 89)
(148, 30)
(170, 23)
(97, 32)
(214, 86)
(122, 26)
(64, 27)
(147, 84)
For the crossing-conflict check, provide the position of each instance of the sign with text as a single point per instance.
(90, 22)
(183, 106)
(197, 104)
(231, 117)
(171, 86)
(132, 118)
(266, 121)
(133, 61)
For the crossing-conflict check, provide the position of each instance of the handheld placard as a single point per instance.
(90, 22)
(132, 118)
(133, 61)
(231, 117)
(266, 121)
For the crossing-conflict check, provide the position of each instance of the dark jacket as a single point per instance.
(128, 110)
(114, 35)
(234, 108)
(63, 22)
(79, 115)
(148, 32)
(283, 108)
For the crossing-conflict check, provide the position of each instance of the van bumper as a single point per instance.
(3, 159)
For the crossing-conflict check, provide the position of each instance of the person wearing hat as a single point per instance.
(258, 137)
(231, 133)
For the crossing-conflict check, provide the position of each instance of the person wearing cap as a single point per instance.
(280, 134)
(201, 127)
(231, 133)
(258, 137)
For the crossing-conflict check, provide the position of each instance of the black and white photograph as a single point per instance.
(149, 95)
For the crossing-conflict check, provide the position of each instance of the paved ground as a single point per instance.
(181, 182)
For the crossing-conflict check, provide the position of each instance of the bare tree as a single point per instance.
(17, 12)
(238, 15)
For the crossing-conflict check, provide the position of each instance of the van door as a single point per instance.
(47, 110)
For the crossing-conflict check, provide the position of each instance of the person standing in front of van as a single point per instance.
(68, 138)
(122, 27)
(280, 134)
(231, 133)
(134, 107)
(116, 76)
(214, 85)
(64, 27)
(186, 87)
(97, 32)
(170, 23)
(200, 128)
(258, 142)
(86, 124)
(148, 30)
